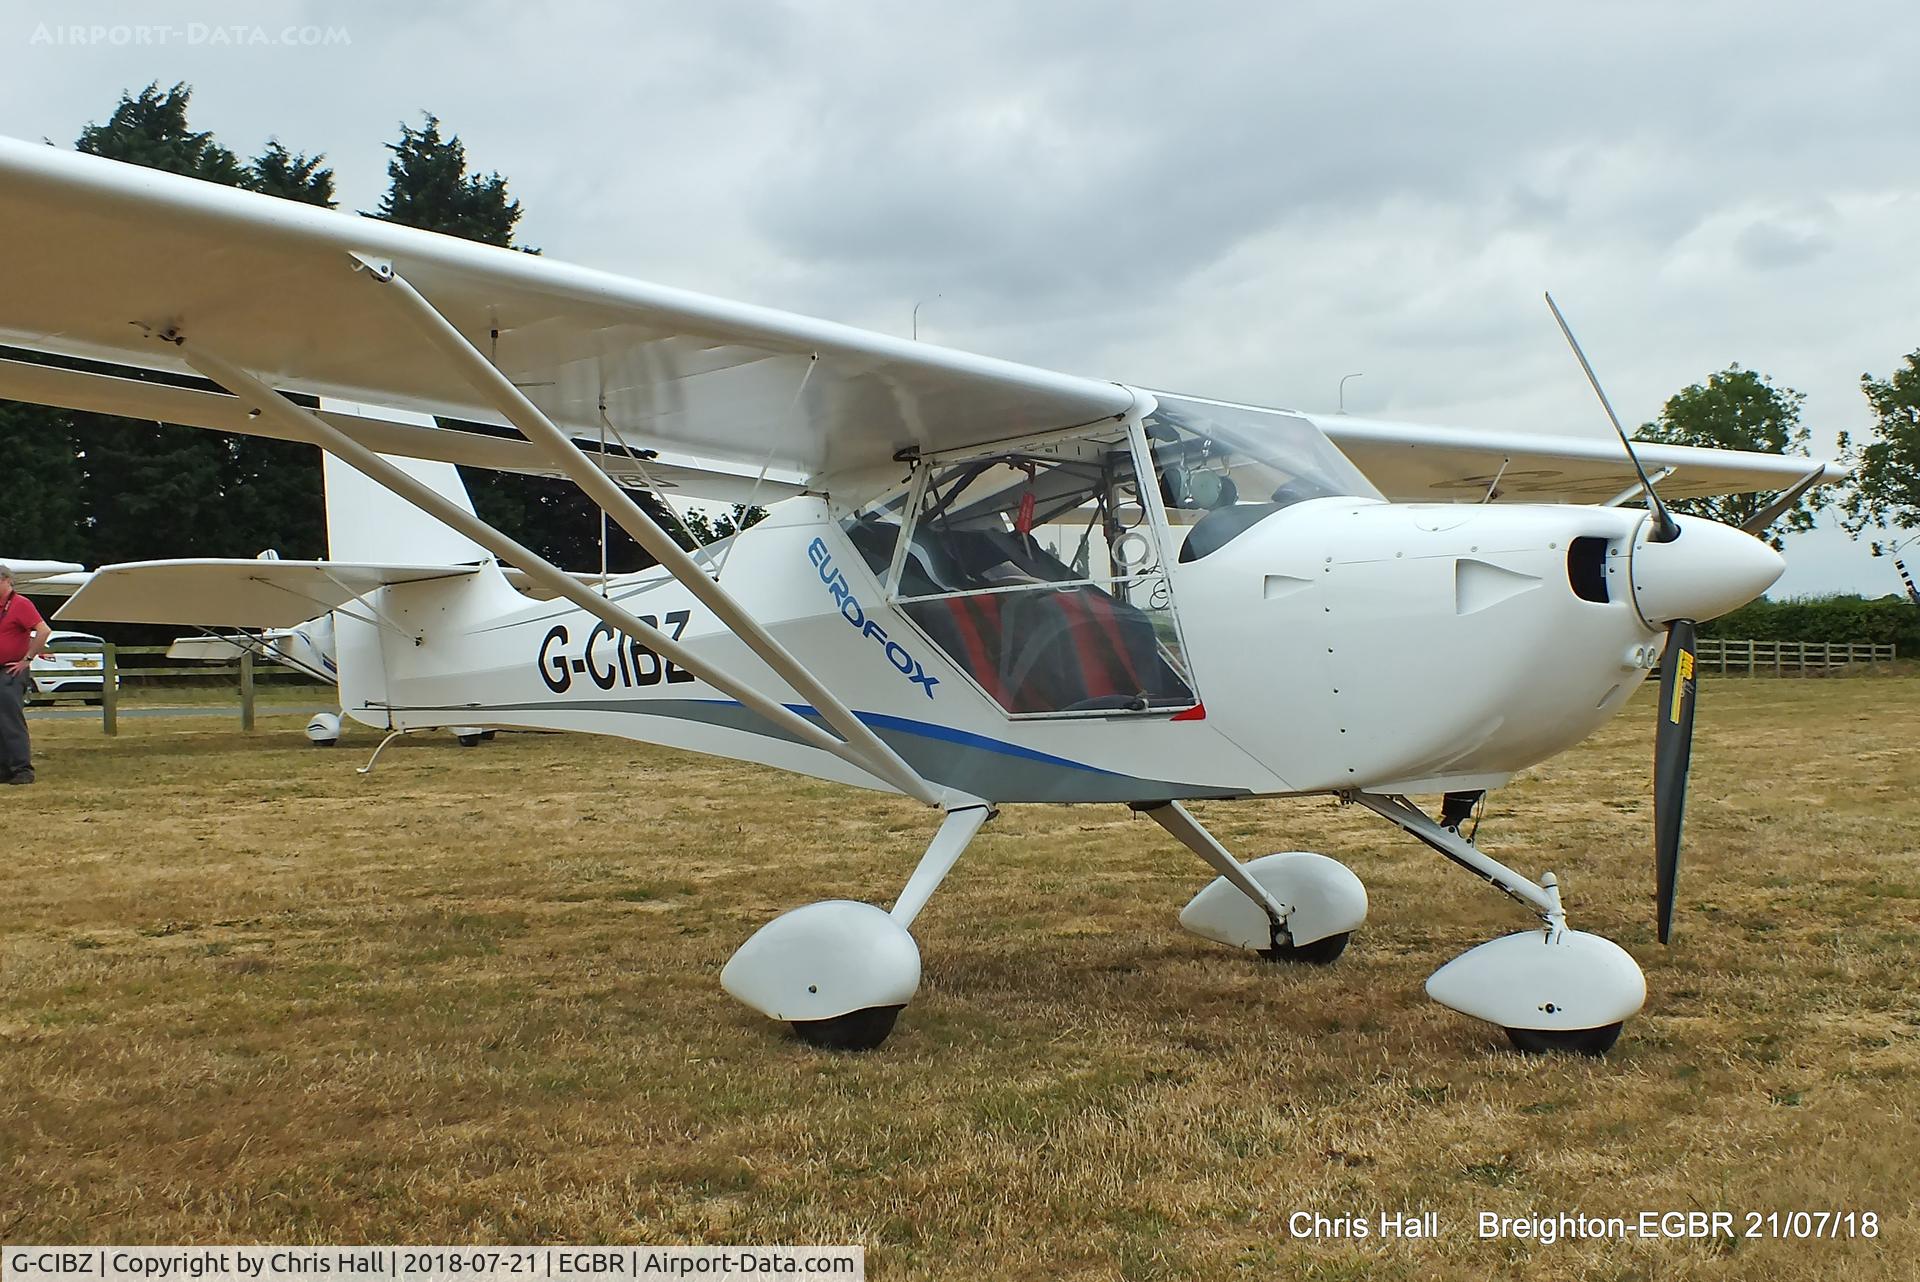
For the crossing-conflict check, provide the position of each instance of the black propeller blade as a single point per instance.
(1673, 738)
(1672, 751)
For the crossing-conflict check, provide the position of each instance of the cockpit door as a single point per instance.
(1039, 569)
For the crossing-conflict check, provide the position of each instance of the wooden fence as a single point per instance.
(244, 674)
(1788, 658)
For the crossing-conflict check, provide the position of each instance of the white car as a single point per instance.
(71, 664)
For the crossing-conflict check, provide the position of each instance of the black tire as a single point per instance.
(468, 740)
(859, 1030)
(486, 736)
(1321, 952)
(1591, 1042)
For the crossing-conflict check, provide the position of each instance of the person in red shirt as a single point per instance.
(23, 635)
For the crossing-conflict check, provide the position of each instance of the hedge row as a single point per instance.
(1827, 618)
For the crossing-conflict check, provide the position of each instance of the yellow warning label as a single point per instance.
(1683, 673)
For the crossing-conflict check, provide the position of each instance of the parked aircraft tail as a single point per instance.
(367, 522)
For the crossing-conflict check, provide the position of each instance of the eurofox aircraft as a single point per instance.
(1245, 613)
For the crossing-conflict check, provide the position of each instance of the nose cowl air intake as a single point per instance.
(1705, 572)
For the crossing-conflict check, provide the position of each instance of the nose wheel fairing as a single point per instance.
(1551, 988)
(1552, 981)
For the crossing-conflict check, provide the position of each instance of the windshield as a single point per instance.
(1223, 468)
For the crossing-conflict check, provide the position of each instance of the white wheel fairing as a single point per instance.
(1548, 981)
(1322, 894)
(824, 960)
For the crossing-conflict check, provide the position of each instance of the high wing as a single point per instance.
(111, 260)
(107, 259)
(1417, 463)
(469, 445)
(240, 594)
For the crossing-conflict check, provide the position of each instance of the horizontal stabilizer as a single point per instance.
(25, 570)
(44, 585)
(237, 594)
(208, 649)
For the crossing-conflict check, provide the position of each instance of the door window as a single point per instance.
(1038, 573)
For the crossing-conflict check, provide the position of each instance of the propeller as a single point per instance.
(1672, 752)
(1673, 735)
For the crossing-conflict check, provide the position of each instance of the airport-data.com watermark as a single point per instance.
(186, 35)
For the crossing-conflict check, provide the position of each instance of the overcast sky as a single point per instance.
(1242, 200)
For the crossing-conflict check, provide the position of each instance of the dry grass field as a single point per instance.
(249, 995)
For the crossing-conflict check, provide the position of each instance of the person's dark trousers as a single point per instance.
(16, 752)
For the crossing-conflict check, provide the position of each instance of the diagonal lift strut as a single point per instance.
(869, 751)
(310, 426)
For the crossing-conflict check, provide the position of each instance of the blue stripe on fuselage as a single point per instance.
(930, 730)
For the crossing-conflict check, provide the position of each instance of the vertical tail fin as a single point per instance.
(368, 522)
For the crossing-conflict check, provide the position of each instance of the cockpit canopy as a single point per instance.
(1041, 569)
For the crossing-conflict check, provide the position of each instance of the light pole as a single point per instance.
(916, 315)
(1343, 390)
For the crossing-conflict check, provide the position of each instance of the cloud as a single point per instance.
(1769, 242)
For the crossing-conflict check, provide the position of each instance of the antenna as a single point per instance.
(1343, 389)
(916, 314)
(1665, 528)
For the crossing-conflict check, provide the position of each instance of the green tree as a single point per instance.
(428, 186)
(150, 128)
(712, 530)
(290, 176)
(1736, 409)
(41, 516)
(1886, 469)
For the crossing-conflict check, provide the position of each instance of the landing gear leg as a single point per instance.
(1551, 989)
(839, 971)
(1294, 907)
(375, 758)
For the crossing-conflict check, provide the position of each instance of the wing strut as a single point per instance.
(1757, 524)
(308, 426)
(870, 751)
(1638, 488)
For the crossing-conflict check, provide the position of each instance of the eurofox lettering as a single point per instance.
(856, 617)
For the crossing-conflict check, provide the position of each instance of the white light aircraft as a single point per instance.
(1258, 603)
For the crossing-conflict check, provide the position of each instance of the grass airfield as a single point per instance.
(249, 995)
